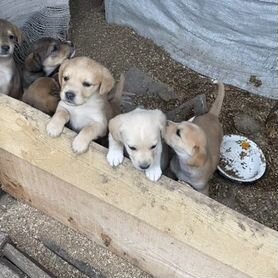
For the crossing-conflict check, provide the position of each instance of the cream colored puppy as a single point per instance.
(84, 85)
(139, 132)
(197, 145)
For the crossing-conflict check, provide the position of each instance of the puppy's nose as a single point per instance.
(5, 47)
(144, 166)
(70, 95)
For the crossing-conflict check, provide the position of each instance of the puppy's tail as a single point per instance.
(116, 98)
(217, 105)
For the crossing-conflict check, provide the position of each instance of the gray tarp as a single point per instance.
(230, 40)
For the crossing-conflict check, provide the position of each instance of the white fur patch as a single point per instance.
(83, 115)
(115, 157)
(80, 144)
(49, 70)
(154, 173)
(53, 129)
(6, 74)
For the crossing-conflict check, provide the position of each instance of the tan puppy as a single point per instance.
(84, 87)
(139, 132)
(46, 56)
(197, 145)
(10, 80)
(43, 94)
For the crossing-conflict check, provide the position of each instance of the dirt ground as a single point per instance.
(120, 48)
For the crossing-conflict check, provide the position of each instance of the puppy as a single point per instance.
(46, 56)
(197, 145)
(10, 79)
(43, 94)
(84, 88)
(139, 132)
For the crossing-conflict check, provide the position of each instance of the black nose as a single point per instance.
(5, 47)
(144, 166)
(70, 95)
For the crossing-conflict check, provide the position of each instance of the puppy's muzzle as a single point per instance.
(72, 51)
(70, 96)
(144, 165)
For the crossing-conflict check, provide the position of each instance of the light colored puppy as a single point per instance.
(10, 79)
(139, 132)
(197, 145)
(84, 85)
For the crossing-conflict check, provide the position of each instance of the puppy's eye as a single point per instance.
(86, 84)
(66, 78)
(132, 148)
(11, 37)
(178, 132)
(153, 147)
(54, 48)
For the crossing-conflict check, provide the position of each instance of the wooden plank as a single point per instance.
(165, 228)
(23, 263)
(8, 270)
(4, 239)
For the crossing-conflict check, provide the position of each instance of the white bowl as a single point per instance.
(241, 159)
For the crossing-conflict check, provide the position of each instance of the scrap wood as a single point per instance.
(19, 259)
(9, 270)
(198, 104)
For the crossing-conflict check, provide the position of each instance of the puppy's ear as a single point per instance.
(33, 62)
(199, 157)
(162, 120)
(107, 82)
(115, 128)
(61, 71)
(18, 33)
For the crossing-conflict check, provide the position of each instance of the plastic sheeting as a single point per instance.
(37, 19)
(232, 40)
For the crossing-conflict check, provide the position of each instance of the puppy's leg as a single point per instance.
(154, 172)
(83, 139)
(56, 125)
(115, 155)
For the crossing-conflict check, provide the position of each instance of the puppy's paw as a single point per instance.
(80, 145)
(53, 129)
(154, 173)
(115, 157)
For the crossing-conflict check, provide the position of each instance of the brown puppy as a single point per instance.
(10, 80)
(197, 145)
(43, 94)
(45, 58)
(84, 88)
